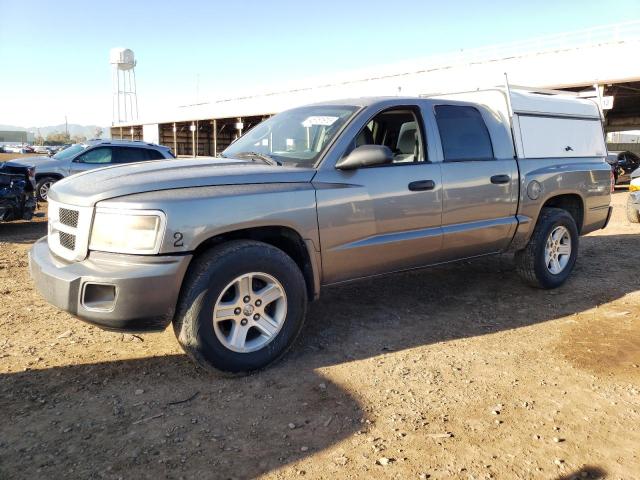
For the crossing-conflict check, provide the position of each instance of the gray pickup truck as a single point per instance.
(230, 250)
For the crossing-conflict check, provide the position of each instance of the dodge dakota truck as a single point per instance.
(230, 250)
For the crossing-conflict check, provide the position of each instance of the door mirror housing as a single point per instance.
(366, 156)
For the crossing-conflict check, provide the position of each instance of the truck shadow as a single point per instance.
(161, 417)
(587, 472)
(23, 232)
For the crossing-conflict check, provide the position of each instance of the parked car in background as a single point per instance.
(633, 200)
(231, 249)
(622, 164)
(18, 149)
(17, 192)
(41, 149)
(89, 155)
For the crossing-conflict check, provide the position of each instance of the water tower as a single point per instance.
(125, 99)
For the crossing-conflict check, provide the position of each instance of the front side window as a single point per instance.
(397, 129)
(67, 153)
(463, 134)
(295, 137)
(101, 155)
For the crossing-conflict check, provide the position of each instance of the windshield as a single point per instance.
(67, 153)
(295, 137)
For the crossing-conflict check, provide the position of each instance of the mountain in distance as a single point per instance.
(88, 131)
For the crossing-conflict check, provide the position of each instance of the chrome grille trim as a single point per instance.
(69, 230)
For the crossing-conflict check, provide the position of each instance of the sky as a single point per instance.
(54, 55)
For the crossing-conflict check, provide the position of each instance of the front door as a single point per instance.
(387, 218)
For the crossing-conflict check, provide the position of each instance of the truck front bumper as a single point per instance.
(114, 291)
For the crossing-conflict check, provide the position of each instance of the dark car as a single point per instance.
(622, 164)
(17, 192)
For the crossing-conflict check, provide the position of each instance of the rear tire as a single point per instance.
(633, 215)
(42, 188)
(549, 257)
(221, 321)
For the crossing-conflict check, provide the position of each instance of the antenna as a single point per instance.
(510, 113)
(125, 97)
(508, 91)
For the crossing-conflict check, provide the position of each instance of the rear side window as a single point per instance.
(463, 134)
(154, 154)
(130, 155)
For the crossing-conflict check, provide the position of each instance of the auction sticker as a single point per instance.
(319, 120)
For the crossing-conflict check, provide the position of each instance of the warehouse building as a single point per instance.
(592, 61)
(16, 137)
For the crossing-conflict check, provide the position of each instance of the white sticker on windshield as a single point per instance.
(319, 120)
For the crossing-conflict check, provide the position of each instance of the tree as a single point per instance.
(97, 133)
(58, 138)
(78, 139)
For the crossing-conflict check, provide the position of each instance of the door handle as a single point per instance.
(500, 179)
(421, 185)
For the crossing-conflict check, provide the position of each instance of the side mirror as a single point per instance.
(366, 156)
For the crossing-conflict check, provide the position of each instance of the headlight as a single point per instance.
(130, 231)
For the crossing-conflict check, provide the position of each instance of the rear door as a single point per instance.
(480, 190)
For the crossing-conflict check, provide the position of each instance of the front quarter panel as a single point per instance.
(53, 167)
(194, 215)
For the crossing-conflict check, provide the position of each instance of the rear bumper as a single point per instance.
(113, 291)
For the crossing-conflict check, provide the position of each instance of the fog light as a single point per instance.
(99, 296)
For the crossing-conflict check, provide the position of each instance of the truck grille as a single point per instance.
(68, 241)
(69, 217)
(69, 229)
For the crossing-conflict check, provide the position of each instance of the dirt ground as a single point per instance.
(453, 372)
(11, 156)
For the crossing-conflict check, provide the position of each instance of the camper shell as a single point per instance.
(543, 123)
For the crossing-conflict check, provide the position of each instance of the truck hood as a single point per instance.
(88, 188)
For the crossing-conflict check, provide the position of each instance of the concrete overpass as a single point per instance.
(603, 57)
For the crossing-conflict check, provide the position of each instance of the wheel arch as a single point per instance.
(284, 238)
(573, 203)
(56, 176)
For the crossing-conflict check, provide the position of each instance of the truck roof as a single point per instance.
(131, 143)
(526, 100)
(523, 101)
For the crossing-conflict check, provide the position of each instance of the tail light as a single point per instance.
(613, 182)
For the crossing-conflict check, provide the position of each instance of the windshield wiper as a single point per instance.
(260, 156)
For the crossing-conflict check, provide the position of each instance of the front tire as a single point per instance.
(549, 257)
(42, 188)
(241, 307)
